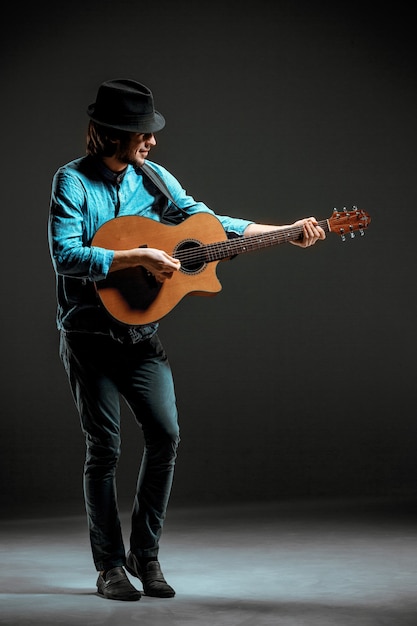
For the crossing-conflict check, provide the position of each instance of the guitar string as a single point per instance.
(229, 247)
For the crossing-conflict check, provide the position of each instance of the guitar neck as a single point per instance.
(225, 249)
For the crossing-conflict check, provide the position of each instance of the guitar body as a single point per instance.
(133, 296)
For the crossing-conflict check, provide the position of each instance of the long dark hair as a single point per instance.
(101, 140)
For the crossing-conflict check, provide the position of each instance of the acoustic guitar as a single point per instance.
(133, 296)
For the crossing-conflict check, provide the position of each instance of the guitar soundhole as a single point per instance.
(191, 255)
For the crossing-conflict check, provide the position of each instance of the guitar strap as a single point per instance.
(171, 215)
(168, 215)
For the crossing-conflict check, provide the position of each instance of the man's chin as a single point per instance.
(138, 161)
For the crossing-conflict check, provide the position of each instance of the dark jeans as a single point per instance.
(100, 370)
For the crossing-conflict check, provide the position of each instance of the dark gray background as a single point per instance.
(298, 379)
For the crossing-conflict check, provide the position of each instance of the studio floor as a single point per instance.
(283, 564)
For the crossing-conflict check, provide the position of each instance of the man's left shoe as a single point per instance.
(153, 581)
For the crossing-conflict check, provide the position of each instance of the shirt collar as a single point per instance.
(114, 177)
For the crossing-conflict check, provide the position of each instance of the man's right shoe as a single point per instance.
(116, 586)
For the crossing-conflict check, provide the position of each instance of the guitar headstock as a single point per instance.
(346, 222)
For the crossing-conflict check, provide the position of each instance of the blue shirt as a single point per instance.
(86, 194)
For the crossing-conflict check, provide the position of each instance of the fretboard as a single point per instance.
(224, 249)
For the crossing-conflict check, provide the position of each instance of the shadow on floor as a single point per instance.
(280, 564)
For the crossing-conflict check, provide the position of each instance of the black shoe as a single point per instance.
(116, 586)
(153, 581)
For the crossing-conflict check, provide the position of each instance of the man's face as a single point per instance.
(135, 149)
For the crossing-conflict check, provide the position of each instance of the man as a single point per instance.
(105, 359)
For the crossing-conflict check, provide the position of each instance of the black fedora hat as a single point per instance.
(126, 105)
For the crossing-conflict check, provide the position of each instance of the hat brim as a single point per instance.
(138, 126)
